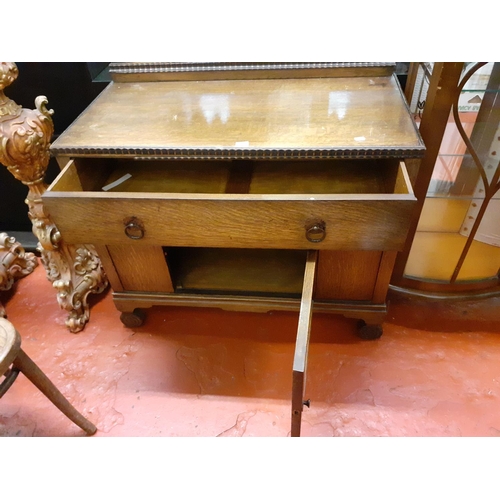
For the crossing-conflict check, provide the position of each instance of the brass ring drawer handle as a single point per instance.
(316, 231)
(134, 228)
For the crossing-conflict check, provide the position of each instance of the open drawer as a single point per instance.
(323, 204)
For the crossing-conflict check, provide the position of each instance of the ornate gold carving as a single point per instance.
(14, 263)
(74, 270)
(25, 141)
(8, 73)
(87, 273)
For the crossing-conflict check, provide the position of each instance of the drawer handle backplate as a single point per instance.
(316, 231)
(134, 228)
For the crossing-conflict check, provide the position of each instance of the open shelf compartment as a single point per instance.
(237, 271)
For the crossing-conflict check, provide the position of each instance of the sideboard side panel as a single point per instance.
(141, 268)
(347, 275)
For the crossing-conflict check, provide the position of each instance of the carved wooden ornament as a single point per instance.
(74, 270)
(14, 263)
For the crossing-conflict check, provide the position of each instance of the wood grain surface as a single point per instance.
(352, 223)
(333, 176)
(238, 270)
(347, 275)
(299, 373)
(349, 114)
(141, 268)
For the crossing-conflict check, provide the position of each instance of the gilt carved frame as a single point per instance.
(25, 134)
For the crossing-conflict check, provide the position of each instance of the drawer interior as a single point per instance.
(237, 271)
(117, 175)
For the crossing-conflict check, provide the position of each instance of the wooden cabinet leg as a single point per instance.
(133, 319)
(367, 331)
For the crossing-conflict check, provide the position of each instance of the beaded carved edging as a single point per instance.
(181, 67)
(247, 153)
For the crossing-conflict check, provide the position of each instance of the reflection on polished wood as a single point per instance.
(316, 117)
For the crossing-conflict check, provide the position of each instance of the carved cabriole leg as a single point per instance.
(14, 263)
(74, 270)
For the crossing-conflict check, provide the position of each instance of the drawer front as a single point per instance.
(342, 223)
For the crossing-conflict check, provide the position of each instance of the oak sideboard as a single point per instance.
(242, 186)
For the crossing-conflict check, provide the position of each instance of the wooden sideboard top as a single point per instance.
(363, 117)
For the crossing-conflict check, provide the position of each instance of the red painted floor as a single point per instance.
(204, 372)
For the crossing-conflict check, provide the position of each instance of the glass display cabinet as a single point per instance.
(456, 246)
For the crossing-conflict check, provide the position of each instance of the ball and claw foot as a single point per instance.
(133, 319)
(369, 332)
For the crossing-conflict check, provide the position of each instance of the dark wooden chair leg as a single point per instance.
(41, 381)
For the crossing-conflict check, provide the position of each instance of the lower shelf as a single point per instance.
(237, 271)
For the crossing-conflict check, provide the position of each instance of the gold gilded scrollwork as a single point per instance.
(74, 270)
(14, 263)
